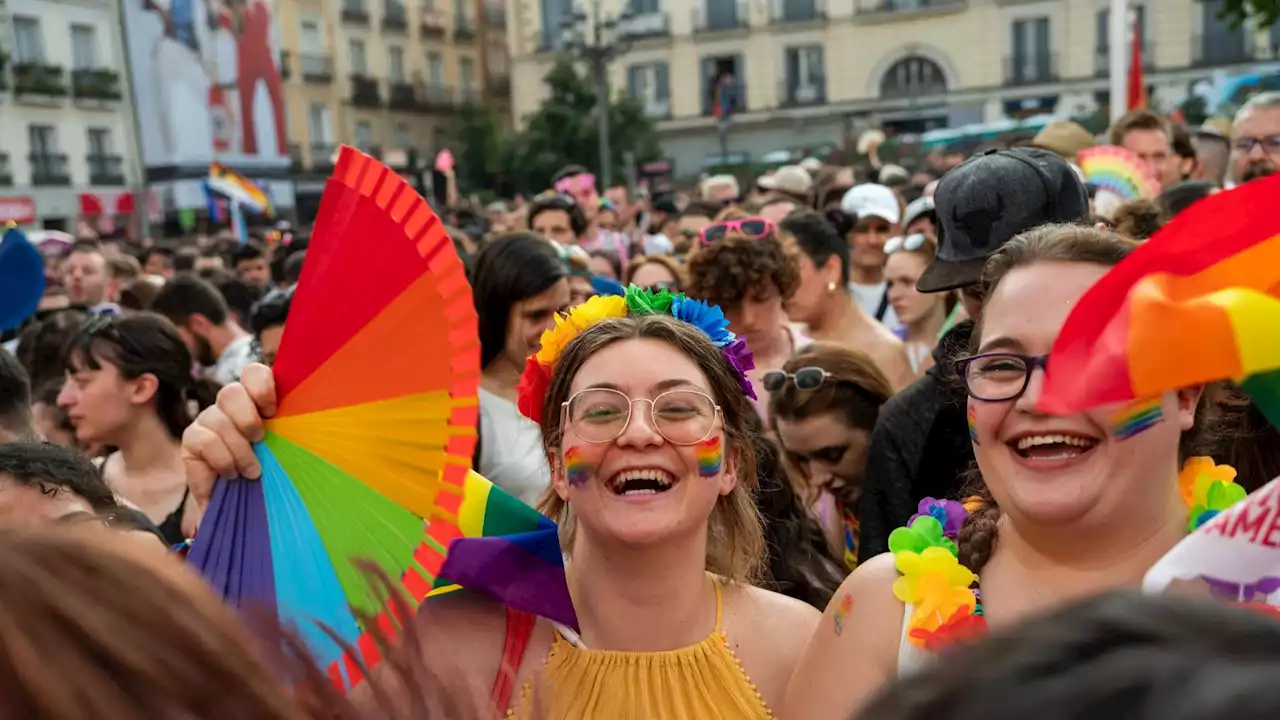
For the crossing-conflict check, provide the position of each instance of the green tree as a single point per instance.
(1265, 12)
(562, 131)
(481, 143)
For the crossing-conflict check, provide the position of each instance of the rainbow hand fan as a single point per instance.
(1119, 171)
(1198, 302)
(376, 382)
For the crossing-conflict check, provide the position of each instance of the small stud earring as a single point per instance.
(831, 287)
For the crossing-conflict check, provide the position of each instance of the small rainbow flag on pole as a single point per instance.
(1198, 302)
(239, 190)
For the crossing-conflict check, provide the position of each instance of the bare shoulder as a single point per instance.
(768, 632)
(854, 650)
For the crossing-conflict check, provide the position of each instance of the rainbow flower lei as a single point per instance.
(948, 609)
(536, 379)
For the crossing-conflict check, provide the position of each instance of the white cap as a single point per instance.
(871, 200)
(811, 163)
(788, 178)
(915, 209)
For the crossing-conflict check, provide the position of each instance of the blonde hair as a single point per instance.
(735, 542)
(671, 264)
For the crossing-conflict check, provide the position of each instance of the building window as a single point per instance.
(466, 72)
(310, 39)
(805, 80)
(99, 142)
(913, 76)
(1219, 43)
(28, 44)
(320, 124)
(43, 139)
(364, 136)
(650, 85)
(644, 7)
(1102, 58)
(395, 59)
(435, 69)
(723, 89)
(84, 47)
(402, 137)
(554, 13)
(359, 66)
(1031, 59)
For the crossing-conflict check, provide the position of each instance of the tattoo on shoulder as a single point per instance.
(842, 613)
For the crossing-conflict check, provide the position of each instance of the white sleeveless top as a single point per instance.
(911, 659)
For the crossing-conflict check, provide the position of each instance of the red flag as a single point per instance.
(1137, 83)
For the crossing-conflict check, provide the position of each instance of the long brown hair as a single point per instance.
(735, 544)
(856, 389)
(1048, 243)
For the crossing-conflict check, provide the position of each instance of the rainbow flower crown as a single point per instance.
(533, 385)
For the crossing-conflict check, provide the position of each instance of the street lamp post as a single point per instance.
(597, 40)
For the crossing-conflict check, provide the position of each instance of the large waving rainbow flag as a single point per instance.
(1198, 302)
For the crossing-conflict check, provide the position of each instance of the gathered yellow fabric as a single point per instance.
(700, 682)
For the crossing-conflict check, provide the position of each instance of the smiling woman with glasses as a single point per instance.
(824, 404)
(1062, 506)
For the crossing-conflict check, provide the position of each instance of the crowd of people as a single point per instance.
(731, 489)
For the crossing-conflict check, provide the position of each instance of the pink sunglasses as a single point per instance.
(753, 228)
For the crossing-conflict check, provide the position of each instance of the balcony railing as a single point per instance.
(95, 84)
(495, 16)
(402, 95)
(6, 172)
(464, 28)
(106, 169)
(438, 98)
(364, 91)
(1219, 50)
(355, 13)
(720, 17)
(813, 91)
(890, 7)
(646, 25)
(500, 86)
(738, 90)
(658, 109)
(1102, 58)
(432, 23)
(39, 79)
(322, 156)
(49, 170)
(316, 69)
(394, 18)
(797, 11)
(469, 95)
(1030, 69)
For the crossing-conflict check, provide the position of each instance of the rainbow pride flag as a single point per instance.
(239, 190)
(1198, 302)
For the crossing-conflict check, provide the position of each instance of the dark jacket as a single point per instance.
(920, 447)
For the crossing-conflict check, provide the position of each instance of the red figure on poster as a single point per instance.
(256, 63)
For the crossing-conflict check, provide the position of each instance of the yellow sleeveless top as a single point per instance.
(699, 682)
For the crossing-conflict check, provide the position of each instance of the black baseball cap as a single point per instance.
(987, 200)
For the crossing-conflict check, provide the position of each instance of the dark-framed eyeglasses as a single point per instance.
(601, 415)
(806, 379)
(753, 228)
(1270, 144)
(998, 377)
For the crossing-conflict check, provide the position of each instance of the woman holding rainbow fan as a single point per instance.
(1065, 505)
(643, 404)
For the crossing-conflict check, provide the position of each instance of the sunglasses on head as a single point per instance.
(805, 379)
(910, 243)
(753, 228)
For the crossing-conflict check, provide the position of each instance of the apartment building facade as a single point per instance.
(801, 74)
(66, 145)
(386, 76)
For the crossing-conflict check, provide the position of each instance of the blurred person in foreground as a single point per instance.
(1255, 138)
(1119, 655)
(921, 447)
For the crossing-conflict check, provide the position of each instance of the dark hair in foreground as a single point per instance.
(510, 268)
(15, 399)
(1119, 655)
(53, 469)
(175, 650)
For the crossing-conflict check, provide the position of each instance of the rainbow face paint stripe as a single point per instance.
(1137, 417)
(577, 469)
(973, 428)
(710, 457)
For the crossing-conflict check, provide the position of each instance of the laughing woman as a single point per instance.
(1071, 505)
(645, 426)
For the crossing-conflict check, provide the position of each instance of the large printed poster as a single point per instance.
(207, 80)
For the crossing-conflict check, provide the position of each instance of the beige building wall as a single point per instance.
(970, 42)
(439, 46)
